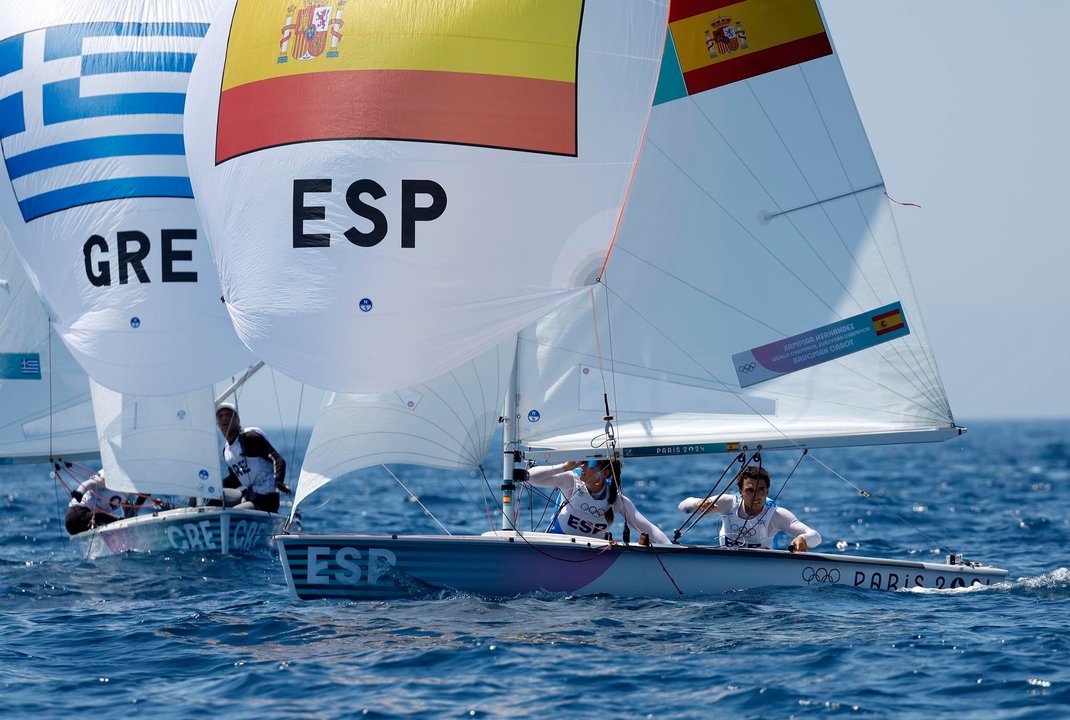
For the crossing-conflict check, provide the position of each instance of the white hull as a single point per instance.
(206, 530)
(365, 567)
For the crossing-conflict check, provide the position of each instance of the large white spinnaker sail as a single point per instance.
(757, 291)
(95, 192)
(44, 394)
(391, 189)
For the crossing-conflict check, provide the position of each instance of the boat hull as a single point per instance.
(205, 530)
(373, 567)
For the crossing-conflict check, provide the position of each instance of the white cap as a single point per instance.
(228, 405)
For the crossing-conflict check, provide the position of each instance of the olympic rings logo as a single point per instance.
(592, 509)
(747, 368)
(744, 532)
(820, 575)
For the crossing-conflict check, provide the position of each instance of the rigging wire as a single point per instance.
(692, 520)
(884, 507)
(417, 499)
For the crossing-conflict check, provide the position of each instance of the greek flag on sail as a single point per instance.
(20, 366)
(73, 98)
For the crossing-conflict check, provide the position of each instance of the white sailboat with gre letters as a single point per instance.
(627, 230)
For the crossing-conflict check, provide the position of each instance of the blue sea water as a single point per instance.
(192, 636)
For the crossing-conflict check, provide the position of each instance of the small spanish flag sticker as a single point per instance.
(888, 322)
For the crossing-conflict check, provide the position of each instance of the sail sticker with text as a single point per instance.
(718, 42)
(20, 366)
(73, 98)
(486, 74)
(820, 345)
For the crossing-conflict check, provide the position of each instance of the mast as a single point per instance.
(512, 462)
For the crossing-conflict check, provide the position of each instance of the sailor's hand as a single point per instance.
(798, 545)
(282, 487)
(572, 464)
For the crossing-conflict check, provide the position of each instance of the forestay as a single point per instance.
(161, 444)
(393, 188)
(95, 192)
(44, 394)
(757, 244)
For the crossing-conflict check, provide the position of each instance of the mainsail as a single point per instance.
(757, 291)
(391, 189)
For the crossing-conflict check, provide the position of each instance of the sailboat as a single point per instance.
(696, 256)
(97, 202)
(45, 409)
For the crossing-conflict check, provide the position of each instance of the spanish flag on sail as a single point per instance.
(888, 322)
(718, 42)
(483, 73)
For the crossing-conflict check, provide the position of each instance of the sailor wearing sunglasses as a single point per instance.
(590, 499)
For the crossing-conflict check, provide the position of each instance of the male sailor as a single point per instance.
(750, 518)
(255, 466)
(590, 499)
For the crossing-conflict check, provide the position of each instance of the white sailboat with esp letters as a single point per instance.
(703, 261)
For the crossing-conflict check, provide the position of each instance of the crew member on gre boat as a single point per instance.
(256, 467)
(751, 519)
(94, 504)
(590, 500)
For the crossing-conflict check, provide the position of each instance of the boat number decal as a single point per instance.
(534, 416)
(820, 345)
(821, 575)
(347, 565)
(192, 536)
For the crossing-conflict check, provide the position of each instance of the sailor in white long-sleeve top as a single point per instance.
(591, 500)
(751, 519)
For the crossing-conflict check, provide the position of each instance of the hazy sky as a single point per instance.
(966, 103)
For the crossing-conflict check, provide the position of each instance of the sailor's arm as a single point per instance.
(720, 506)
(555, 476)
(804, 537)
(89, 485)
